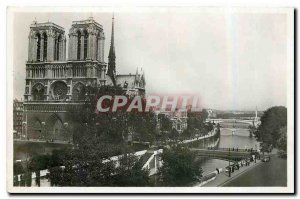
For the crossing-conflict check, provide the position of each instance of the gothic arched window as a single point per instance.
(55, 128)
(78, 45)
(58, 130)
(38, 47)
(85, 45)
(56, 47)
(38, 92)
(78, 93)
(97, 45)
(45, 46)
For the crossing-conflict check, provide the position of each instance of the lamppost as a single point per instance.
(229, 169)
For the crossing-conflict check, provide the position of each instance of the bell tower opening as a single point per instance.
(45, 46)
(78, 45)
(85, 45)
(38, 51)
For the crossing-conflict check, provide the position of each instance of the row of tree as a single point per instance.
(86, 166)
(99, 136)
(196, 126)
(272, 132)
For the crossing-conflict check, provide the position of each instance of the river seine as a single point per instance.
(229, 138)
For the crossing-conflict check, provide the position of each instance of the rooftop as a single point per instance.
(87, 21)
(46, 24)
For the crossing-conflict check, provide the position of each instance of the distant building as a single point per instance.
(133, 84)
(178, 119)
(18, 110)
(211, 114)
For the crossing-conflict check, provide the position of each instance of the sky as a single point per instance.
(232, 61)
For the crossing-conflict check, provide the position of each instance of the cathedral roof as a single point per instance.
(87, 22)
(130, 80)
(124, 80)
(46, 25)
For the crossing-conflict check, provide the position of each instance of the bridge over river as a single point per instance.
(225, 153)
(256, 121)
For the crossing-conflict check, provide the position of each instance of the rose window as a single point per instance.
(60, 90)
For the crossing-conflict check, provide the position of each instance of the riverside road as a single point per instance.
(270, 174)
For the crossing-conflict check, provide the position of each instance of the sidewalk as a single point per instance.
(223, 177)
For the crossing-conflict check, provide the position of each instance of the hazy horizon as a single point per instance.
(233, 61)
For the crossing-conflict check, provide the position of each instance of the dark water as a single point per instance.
(239, 139)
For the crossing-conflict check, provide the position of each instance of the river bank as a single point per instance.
(223, 177)
(269, 174)
(273, 173)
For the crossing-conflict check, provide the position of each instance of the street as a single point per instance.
(273, 173)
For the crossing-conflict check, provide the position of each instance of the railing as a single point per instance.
(50, 106)
(233, 149)
(157, 163)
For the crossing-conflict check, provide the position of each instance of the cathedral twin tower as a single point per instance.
(47, 42)
(47, 58)
(54, 82)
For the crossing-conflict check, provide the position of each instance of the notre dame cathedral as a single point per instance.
(54, 81)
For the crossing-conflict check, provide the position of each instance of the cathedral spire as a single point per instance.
(112, 41)
(112, 56)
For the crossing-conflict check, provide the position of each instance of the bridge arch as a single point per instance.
(224, 154)
(246, 123)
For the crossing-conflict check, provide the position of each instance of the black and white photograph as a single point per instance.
(150, 100)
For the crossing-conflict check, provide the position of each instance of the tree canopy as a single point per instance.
(272, 120)
(99, 136)
(180, 167)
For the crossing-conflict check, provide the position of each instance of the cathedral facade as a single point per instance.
(55, 81)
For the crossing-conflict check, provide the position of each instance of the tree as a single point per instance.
(174, 134)
(180, 167)
(97, 136)
(110, 126)
(18, 168)
(209, 127)
(272, 120)
(143, 125)
(38, 162)
(204, 115)
(282, 142)
(28, 178)
(85, 166)
(89, 165)
(218, 129)
(186, 134)
(38, 178)
(165, 123)
(130, 172)
(194, 120)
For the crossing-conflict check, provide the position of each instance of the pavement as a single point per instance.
(267, 174)
(223, 177)
(273, 173)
